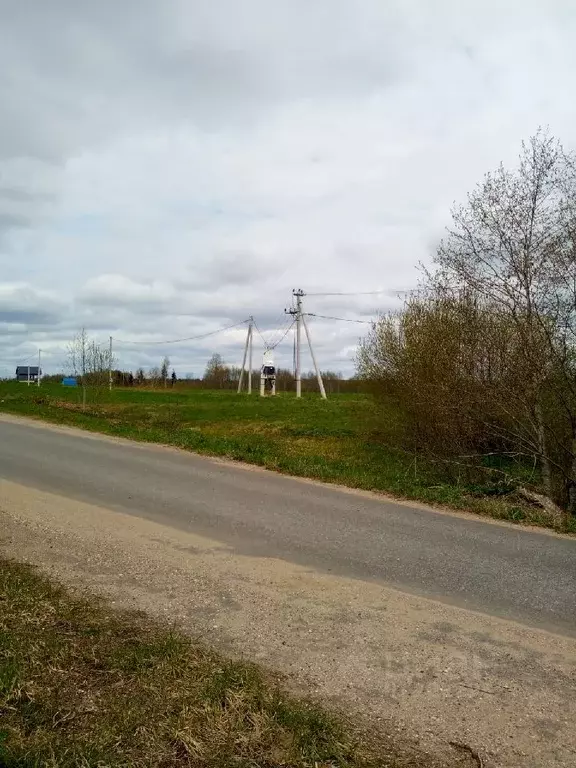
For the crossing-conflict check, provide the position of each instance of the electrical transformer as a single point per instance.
(268, 374)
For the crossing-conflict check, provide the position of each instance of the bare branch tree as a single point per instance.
(483, 359)
(165, 367)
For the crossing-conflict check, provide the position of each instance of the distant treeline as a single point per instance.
(225, 378)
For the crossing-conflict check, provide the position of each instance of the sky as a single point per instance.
(171, 167)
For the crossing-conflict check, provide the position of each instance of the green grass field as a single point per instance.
(337, 441)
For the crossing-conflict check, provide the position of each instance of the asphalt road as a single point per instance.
(522, 575)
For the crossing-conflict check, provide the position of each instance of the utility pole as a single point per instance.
(250, 329)
(298, 295)
(318, 374)
(247, 346)
(299, 314)
(39, 374)
(110, 367)
(83, 337)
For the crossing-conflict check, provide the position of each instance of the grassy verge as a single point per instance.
(81, 685)
(334, 441)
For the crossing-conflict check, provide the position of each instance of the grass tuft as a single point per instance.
(81, 685)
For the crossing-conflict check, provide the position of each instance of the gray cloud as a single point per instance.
(170, 166)
(27, 316)
(22, 303)
(91, 70)
(14, 195)
(12, 220)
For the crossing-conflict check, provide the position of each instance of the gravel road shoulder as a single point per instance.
(427, 672)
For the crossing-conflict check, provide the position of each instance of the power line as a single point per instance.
(260, 334)
(188, 338)
(275, 332)
(351, 293)
(278, 333)
(277, 338)
(24, 360)
(279, 321)
(286, 332)
(283, 333)
(345, 319)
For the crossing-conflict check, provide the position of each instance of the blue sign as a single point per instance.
(69, 381)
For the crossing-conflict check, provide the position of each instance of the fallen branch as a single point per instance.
(474, 688)
(542, 501)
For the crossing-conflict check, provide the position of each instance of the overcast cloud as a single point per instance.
(168, 167)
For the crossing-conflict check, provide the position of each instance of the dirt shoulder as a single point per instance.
(82, 684)
(426, 672)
